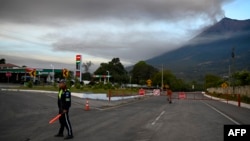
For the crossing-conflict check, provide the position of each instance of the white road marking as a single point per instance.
(226, 116)
(157, 118)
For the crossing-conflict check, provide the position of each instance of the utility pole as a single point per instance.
(53, 73)
(229, 74)
(108, 76)
(233, 55)
(162, 85)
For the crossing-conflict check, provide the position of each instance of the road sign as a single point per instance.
(78, 62)
(224, 85)
(78, 73)
(33, 73)
(156, 92)
(65, 73)
(149, 82)
(182, 95)
(8, 74)
(29, 69)
(141, 91)
(78, 58)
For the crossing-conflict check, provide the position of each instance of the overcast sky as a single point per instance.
(38, 33)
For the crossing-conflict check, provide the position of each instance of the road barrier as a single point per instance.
(156, 92)
(141, 92)
(182, 95)
(227, 98)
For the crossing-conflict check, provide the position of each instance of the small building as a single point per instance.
(8, 66)
(15, 74)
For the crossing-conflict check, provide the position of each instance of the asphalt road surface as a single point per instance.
(25, 117)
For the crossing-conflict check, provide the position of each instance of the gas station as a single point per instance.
(10, 73)
(102, 76)
(19, 75)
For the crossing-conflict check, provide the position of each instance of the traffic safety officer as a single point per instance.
(64, 103)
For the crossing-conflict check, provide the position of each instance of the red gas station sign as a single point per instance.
(8, 74)
(78, 58)
(29, 69)
(78, 73)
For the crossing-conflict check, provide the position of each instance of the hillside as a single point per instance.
(210, 51)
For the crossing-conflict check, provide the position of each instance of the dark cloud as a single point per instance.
(129, 46)
(67, 11)
(36, 63)
(126, 40)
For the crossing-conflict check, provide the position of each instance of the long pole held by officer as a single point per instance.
(64, 103)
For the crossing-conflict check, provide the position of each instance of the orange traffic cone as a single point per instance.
(87, 106)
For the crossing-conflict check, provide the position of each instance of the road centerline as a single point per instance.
(158, 117)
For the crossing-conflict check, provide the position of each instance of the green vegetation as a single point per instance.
(84, 89)
(139, 74)
(240, 78)
(115, 69)
(77, 86)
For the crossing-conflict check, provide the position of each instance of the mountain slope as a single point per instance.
(210, 51)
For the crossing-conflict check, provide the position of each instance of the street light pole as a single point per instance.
(162, 85)
(108, 76)
(130, 81)
(53, 78)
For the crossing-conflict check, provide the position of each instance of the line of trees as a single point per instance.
(140, 73)
(239, 78)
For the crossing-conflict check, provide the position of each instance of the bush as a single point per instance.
(30, 84)
(245, 99)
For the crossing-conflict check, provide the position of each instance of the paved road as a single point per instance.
(25, 117)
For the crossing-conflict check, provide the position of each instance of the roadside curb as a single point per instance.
(100, 104)
(21, 90)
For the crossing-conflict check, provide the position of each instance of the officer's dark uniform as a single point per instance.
(64, 103)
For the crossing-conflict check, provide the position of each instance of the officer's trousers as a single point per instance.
(65, 122)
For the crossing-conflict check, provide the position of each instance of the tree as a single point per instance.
(2, 61)
(141, 72)
(242, 78)
(168, 79)
(86, 66)
(212, 81)
(115, 69)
